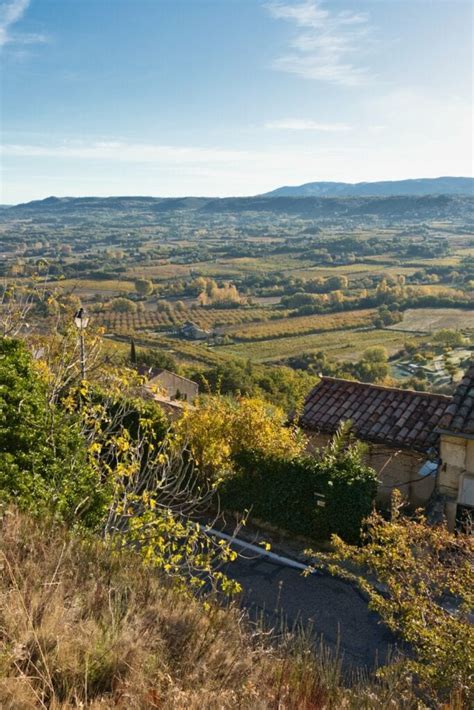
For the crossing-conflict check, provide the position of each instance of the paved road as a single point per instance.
(333, 609)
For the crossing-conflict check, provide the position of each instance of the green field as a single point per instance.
(91, 286)
(337, 344)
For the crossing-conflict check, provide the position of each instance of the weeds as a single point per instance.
(82, 625)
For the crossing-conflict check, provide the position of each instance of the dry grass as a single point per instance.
(429, 320)
(81, 626)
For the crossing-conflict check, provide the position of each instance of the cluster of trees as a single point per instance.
(224, 296)
(373, 366)
(396, 298)
(122, 304)
(282, 386)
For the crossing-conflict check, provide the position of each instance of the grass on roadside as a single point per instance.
(81, 625)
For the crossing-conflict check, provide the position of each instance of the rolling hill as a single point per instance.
(387, 188)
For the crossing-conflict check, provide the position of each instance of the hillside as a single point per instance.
(87, 627)
(391, 207)
(386, 188)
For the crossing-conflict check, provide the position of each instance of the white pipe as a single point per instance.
(288, 562)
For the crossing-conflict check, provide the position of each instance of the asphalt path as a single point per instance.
(331, 609)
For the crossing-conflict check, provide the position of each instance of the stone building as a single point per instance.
(398, 426)
(175, 386)
(170, 385)
(455, 481)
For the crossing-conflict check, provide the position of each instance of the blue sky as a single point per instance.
(230, 97)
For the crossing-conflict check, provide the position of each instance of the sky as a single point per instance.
(230, 97)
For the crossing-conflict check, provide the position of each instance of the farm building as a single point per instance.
(191, 331)
(397, 425)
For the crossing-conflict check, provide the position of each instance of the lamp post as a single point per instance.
(81, 320)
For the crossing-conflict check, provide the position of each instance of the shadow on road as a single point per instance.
(330, 609)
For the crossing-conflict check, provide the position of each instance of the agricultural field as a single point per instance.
(429, 320)
(205, 318)
(301, 325)
(258, 282)
(89, 287)
(337, 344)
(354, 272)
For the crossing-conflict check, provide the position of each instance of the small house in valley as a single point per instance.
(191, 331)
(398, 426)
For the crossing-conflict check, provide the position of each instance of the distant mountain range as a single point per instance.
(400, 207)
(387, 188)
(421, 199)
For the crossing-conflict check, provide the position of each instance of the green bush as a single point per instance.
(286, 493)
(43, 456)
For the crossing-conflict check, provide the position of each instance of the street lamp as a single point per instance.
(81, 320)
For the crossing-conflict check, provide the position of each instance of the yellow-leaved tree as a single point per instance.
(420, 578)
(220, 427)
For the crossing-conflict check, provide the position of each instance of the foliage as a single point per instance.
(449, 338)
(372, 366)
(220, 428)
(153, 491)
(144, 287)
(43, 458)
(313, 496)
(122, 305)
(428, 594)
(282, 386)
(157, 358)
(96, 456)
(84, 625)
(223, 296)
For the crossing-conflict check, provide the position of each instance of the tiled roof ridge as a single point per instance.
(398, 417)
(388, 388)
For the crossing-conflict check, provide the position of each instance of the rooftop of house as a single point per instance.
(395, 417)
(459, 415)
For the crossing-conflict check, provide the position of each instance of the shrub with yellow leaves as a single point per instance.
(221, 427)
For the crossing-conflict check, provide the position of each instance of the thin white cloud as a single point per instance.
(325, 44)
(301, 124)
(11, 11)
(125, 152)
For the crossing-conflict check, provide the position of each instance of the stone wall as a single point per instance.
(176, 386)
(456, 474)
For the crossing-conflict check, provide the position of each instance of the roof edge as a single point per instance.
(451, 432)
(373, 439)
(386, 388)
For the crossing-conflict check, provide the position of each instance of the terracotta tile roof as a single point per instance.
(395, 417)
(459, 415)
